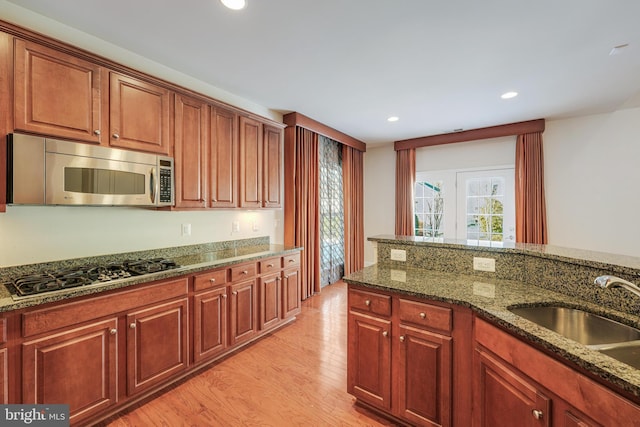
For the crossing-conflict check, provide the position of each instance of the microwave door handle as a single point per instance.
(152, 184)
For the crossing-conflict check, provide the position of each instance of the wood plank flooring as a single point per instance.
(295, 376)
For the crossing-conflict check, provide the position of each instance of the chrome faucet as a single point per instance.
(614, 282)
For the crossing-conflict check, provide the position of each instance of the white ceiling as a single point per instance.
(439, 65)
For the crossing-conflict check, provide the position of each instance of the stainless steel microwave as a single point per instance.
(46, 171)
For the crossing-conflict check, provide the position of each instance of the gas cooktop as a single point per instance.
(64, 278)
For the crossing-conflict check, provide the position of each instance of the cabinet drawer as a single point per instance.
(270, 265)
(210, 279)
(243, 271)
(291, 260)
(425, 315)
(370, 302)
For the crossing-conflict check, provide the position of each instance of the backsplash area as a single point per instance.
(35, 234)
(563, 270)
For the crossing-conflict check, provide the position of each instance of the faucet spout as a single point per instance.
(607, 282)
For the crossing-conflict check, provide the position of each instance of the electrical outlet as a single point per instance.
(398, 255)
(255, 227)
(235, 226)
(484, 264)
(186, 229)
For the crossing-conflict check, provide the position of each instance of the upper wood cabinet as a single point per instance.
(58, 94)
(190, 149)
(272, 167)
(223, 158)
(250, 163)
(139, 115)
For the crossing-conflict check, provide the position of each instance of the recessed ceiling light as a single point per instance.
(509, 95)
(393, 119)
(234, 4)
(618, 49)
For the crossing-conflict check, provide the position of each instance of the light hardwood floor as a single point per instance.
(295, 376)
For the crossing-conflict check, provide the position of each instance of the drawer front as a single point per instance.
(210, 279)
(425, 315)
(370, 302)
(270, 265)
(243, 271)
(291, 260)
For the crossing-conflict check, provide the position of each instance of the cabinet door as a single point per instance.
(290, 293)
(270, 300)
(57, 94)
(139, 115)
(209, 323)
(250, 163)
(190, 152)
(369, 360)
(76, 367)
(424, 377)
(156, 344)
(223, 159)
(4, 376)
(502, 397)
(272, 167)
(243, 311)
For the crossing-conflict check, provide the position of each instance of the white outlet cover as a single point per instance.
(398, 255)
(484, 264)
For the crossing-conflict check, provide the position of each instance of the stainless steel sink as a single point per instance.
(578, 325)
(628, 353)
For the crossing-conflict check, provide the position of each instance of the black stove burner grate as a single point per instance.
(54, 280)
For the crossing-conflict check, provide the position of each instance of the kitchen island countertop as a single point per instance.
(491, 299)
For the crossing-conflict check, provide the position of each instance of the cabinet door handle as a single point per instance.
(97, 132)
(234, 293)
(537, 414)
(214, 200)
(132, 325)
(385, 334)
(367, 303)
(113, 331)
(212, 280)
(116, 136)
(401, 338)
(423, 315)
(286, 276)
(245, 272)
(224, 295)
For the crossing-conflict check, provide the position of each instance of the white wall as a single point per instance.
(30, 234)
(592, 174)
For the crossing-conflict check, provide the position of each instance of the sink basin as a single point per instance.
(629, 354)
(578, 325)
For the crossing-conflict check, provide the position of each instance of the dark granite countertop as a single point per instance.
(491, 299)
(192, 260)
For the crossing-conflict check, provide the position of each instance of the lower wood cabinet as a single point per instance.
(291, 292)
(400, 357)
(210, 323)
(270, 300)
(77, 366)
(156, 344)
(242, 311)
(516, 384)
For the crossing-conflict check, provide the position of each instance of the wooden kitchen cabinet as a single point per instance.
(77, 367)
(4, 363)
(251, 138)
(223, 158)
(58, 94)
(369, 359)
(243, 304)
(139, 115)
(210, 315)
(291, 292)
(272, 167)
(532, 388)
(270, 300)
(419, 337)
(505, 398)
(190, 148)
(156, 344)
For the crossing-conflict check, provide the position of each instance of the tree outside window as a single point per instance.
(429, 209)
